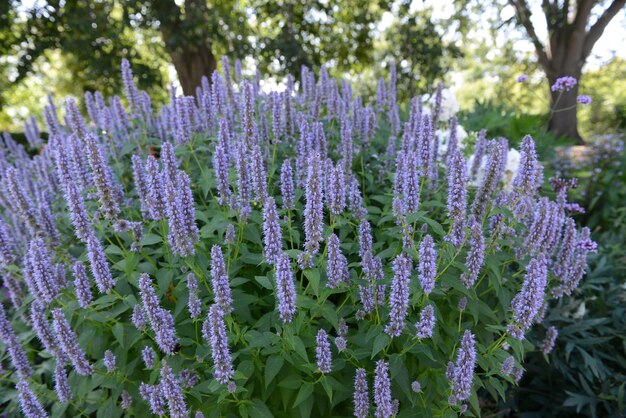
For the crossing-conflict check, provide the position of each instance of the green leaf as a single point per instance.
(381, 341)
(314, 279)
(260, 409)
(272, 368)
(305, 391)
(264, 281)
(118, 332)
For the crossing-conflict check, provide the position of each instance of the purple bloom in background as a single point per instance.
(7, 255)
(399, 295)
(479, 152)
(382, 390)
(584, 100)
(244, 183)
(16, 289)
(19, 200)
(132, 94)
(29, 402)
(411, 182)
(154, 396)
(108, 192)
(313, 215)
(355, 201)
(286, 185)
(183, 231)
(367, 298)
(361, 395)
(214, 331)
(496, 160)
(365, 239)
(230, 236)
(155, 193)
(68, 342)
(457, 197)
(337, 267)
(61, 385)
(476, 253)
(427, 264)
(564, 84)
(322, 352)
(109, 361)
(141, 184)
(39, 272)
(416, 386)
(42, 327)
(16, 352)
(507, 366)
(99, 265)
(528, 301)
(427, 322)
(522, 78)
(464, 368)
(160, 319)
(148, 356)
(271, 232)
(548, 344)
(527, 178)
(139, 318)
(126, 401)
(168, 161)
(285, 289)
(194, 303)
(173, 393)
(336, 190)
(219, 280)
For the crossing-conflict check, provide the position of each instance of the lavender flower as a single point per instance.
(219, 282)
(479, 152)
(564, 84)
(214, 331)
(61, 386)
(139, 318)
(527, 303)
(271, 231)
(154, 396)
(16, 352)
(155, 193)
(126, 401)
(160, 319)
(168, 162)
(7, 255)
(382, 390)
(313, 215)
(462, 303)
(464, 368)
(42, 327)
(507, 366)
(194, 303)
(361, 395)
(475, 255)
(548, 344)
(337, 267)
(584, 100)
(148, 356)
(427, 266)
(99, 266)
(286, 185)
(336, 190)
(522, 78)
(15, 289)
(141, 184)
(367, 298)
(108, 192)
(220, 164)
(230, 236)
(399, 296)
(39, 272)
(172, 392)
(493, 171)
(527, 179)
(427, 322)
(109, 361)
(29, 402)
(517, 374)
(68, 342)
(457, 197)
(129, 86)
(416, 386)
(285, 289)
(322, 352)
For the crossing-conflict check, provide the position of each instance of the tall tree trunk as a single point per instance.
(563, 105)
(191, 64)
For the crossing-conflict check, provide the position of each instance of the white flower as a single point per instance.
(510, 170)
(449, 104)
(444, 134)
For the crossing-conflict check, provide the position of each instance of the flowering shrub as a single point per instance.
(252, 253)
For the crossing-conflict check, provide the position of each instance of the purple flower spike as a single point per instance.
(399, 295)
(286, 185)
(337, 267)
(139, 318)
(526, 180)
(61, 386)
(427, 264)
(99, 265)
(82, 285)
(522, 78)
(464, 368)
(313, 214)
(427, 322)
(194, 303)
(68, 342)
(476, 253)
(173, 393)
(507, 366)
(42, 327)
(219, 282)
(39, 272)
(336, 192)
(108, 192)
(109, 361)
(457, 197)
(584, 100)
(16, 352)
(548, 343)
(564, 84)
(155, 193)
(382, 390)
(271, 231)
(361, 395)
(160, 319)
(220, 164)
(148, 356)
(214, 331)
(322, 351)
(29, 402)
(496, 160)
(528, 302)
(285, 289)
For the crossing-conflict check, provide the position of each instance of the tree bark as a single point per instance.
(191, 64)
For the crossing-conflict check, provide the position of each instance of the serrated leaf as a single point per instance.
(303, 394)
(272, 368)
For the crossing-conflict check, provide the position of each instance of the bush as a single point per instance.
(203, 281)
